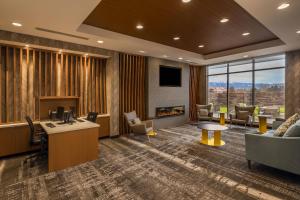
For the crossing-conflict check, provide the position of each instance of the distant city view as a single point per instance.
(266, 91)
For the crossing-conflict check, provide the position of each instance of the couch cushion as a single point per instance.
(250, 109)
(136, 121)
(208, 107)
(293, 131)
(280, 131)
(242, 115)
(203, 112)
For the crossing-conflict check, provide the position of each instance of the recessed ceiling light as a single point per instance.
(298, 32)
(142, 51)
(201, 46)
(27, 45)
(165, 56)
(16, 24)
(224, 20)
(180, 58)
(100, 41)
(246, 34)
(283, 6)
(245, 56)
(139, 26)
(186, 1)
(60, 51)
(176, 38)
(86, 55)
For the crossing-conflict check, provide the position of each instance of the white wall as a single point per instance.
(167, 96)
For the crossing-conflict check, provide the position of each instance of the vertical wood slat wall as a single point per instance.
(27, 74)
(132, 87)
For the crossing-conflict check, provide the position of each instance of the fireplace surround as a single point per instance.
(171, 111)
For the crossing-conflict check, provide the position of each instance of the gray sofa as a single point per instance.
(278, 152)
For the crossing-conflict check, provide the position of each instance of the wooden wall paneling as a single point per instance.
(67, 75)
(97, 86)
(76, 76)
(51, 73)
(101, 102)
(0, 84)
(71, 76)
(27, 74)
(32, 79)
(14, 85)
(6, 86)
(104, 86)
(21, 85)
(46, 74)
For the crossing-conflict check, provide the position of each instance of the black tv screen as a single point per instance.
(169, 76)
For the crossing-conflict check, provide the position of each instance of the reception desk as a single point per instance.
(70, 145)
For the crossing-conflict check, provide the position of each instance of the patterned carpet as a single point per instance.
(173, 166)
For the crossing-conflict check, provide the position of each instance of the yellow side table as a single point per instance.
(263, 123)
(216, 140)
(152, 133)
(222, 118)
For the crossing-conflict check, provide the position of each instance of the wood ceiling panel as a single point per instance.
(197, 22)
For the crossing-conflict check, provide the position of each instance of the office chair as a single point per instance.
(37, 137)
(60, 112)
(92, 116)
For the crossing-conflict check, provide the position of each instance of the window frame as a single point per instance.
(253, 70)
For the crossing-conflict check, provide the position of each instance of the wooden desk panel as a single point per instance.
(72, 148)
(104, 122)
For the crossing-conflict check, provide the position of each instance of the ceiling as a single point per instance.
(69, 16)
(196, 23)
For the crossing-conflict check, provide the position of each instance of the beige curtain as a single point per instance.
(292, 83)
(198, 89)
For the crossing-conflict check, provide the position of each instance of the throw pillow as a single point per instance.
(137, 121)
(293, 131)
(203, 112)
(280, 131)
(242, 115)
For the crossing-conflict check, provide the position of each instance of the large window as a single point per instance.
(258, 81)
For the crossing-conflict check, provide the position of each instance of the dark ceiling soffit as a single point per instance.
(252, 47)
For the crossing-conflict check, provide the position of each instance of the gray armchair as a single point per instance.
(242, 115)
(204, 112)
(142, 127)
(277, 152)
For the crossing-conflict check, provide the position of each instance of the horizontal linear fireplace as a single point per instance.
(171, 111)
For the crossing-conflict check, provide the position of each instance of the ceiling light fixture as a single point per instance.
(100, 41)
(180, 58)
(201, 46)
(186, 1)
(139, 26)
(176, 38)
(17, 24)
(298, 32)
(141, 51)
(27, 45)
(86, 55)
(245, 56)
(283, 6)
(165, 56)
(60, 51)
(246, 34)
(224, 20)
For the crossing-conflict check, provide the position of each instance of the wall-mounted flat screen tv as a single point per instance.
(169, 76)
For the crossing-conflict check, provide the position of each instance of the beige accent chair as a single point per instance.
(204, 112)
(137, 126)
(243, 115)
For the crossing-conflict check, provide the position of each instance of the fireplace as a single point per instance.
(162, 112)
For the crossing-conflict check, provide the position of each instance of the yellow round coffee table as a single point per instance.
(216, 140)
